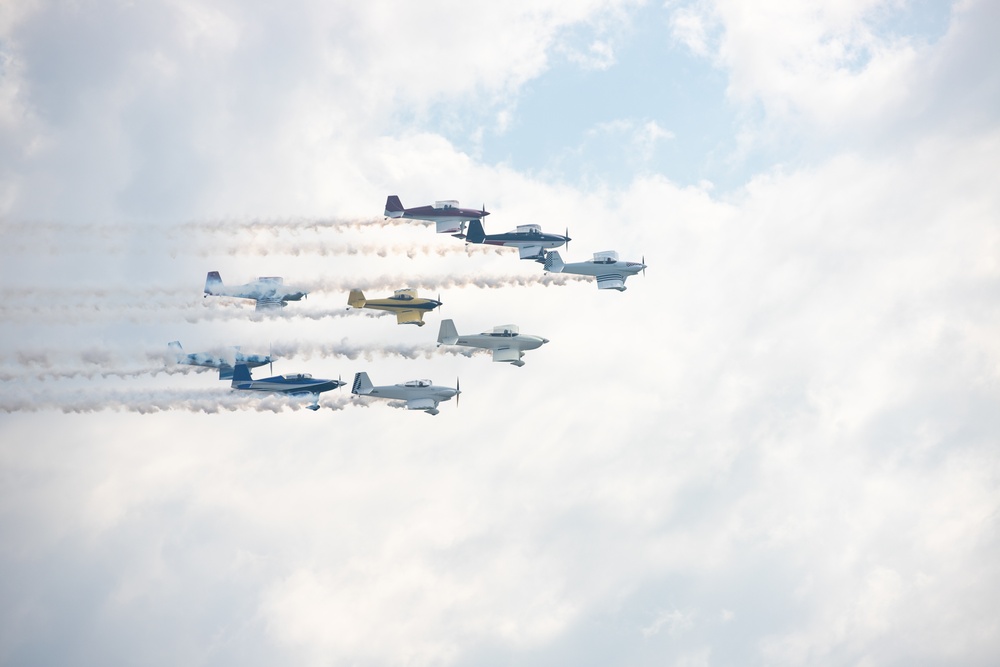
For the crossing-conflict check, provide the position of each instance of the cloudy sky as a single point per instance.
(781, 446)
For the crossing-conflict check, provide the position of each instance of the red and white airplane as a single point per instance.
(449, 217)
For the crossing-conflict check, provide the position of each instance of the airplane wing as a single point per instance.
(506, 353)
(531, 252)
(410, 317)
(611, 281)
(269, 304)
(427, 404)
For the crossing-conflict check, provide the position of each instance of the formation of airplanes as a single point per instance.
(505, 341)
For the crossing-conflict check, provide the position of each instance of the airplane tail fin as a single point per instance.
(356, 299)
(362, 385)
(553, 262)
(212, 281)
(175, 345)
(448, 334)
(241, 373)
(393, 207)
(476, 232)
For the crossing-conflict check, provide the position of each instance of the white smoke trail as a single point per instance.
(152, 401)
(370, 351)
(496, 281)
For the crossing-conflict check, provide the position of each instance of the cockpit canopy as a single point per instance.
(446, 203)
(297, 376)
(417, 383)
(404, 295)
(529, 229)
(504, 330)
(606, 257)
(277, 280)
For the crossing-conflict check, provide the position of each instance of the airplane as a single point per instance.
(409, 308)
(530, 241)
(267, 291)
(418, 394)
(507, 344)
(449, 217)
(225, 365)
(297, 384)
(610, 272)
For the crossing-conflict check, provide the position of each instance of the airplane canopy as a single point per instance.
(417, 383)
(446, 203)
(505, 330)
(529, 229)
(606, 257)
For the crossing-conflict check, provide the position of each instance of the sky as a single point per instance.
(780, 446)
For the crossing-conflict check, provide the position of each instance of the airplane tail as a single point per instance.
(476, 232)
(393, 207)
(212, 281)
(553, 262)
(175, 345)
(362, 385)
(356, 299)
(448, 334)
(241, 373)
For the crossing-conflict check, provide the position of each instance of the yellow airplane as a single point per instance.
(408, 307)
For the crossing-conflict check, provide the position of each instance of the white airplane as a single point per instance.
(507, 344)
(268, 291)
(296, 384)
(418, 394)
(224, 364)
(606, 267)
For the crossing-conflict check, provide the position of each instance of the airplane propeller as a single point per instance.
(270, 356)
(643, 266)
(458, 392)
(568, 239)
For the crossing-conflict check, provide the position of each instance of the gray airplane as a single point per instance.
(507, 343)
(610, 272)
(418, 394)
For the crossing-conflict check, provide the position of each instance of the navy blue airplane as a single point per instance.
(297, 384)
(530, 241)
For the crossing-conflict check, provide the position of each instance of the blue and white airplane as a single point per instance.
(268, 291)
(507, 343)
(297, 384)
(224, 364)
(610, 271)
(449, 217)
(418, 394)
(530, 241)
